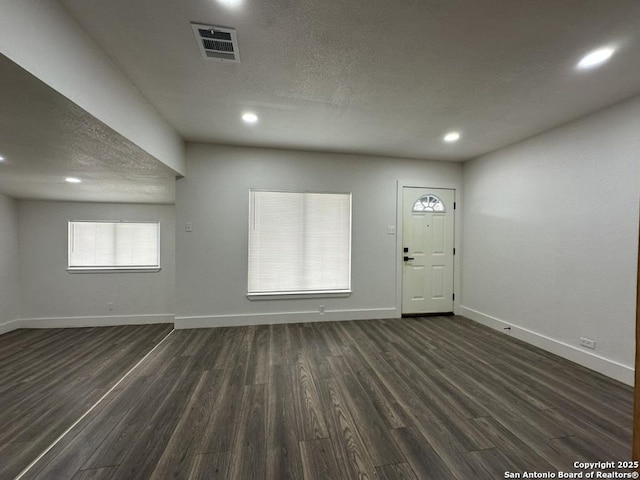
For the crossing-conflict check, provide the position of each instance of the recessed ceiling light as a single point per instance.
(595, 58)
(249, 117)
(1, 158)
(452, 137)
(230, 3)
(72, 180)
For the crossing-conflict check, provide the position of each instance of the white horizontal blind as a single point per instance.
(299, 242)
(114, 245)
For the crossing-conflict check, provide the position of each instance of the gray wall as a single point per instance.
(549, 241)
(550, 238)
(214, 196)
(9, 280)
(53, 297)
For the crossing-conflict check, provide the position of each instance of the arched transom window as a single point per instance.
(429, 203)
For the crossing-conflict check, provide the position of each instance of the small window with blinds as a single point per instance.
(111, 246)
(299, 243)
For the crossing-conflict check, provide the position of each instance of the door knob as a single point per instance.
(406, 259)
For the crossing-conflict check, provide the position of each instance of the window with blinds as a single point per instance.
(114, 246)
(299, 243)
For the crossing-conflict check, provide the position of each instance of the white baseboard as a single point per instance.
(95, 321)
(211, 321)
(9, 326)
(605, 366)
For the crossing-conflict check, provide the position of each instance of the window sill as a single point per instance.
(113, 270)
(296, 295)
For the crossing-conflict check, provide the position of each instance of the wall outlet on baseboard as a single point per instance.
(321, 309)
(588, 343)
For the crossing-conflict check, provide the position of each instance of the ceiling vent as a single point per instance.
(217, 43)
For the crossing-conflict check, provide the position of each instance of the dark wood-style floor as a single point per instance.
(439, 397)
(49, 378)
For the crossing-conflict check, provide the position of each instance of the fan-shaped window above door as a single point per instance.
(429, 203)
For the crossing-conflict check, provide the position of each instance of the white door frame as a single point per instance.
(456, 241)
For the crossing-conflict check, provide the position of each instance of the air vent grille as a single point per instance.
(210, 32)
(217, 43)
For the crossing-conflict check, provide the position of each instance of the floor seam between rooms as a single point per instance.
(84, 415)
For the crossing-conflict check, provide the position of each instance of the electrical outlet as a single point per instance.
(391, 230)
(110, 306)
(588, 343)
(321, 309)
(188, 227)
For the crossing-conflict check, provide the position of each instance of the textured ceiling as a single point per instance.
(370, 77)
(373, 76)
(45, 138)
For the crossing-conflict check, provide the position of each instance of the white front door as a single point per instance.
(427, 236)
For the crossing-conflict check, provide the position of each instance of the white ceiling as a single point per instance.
(46, 138)
(371, 77)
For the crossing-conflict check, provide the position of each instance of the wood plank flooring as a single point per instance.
(416, 398)
(49, 378)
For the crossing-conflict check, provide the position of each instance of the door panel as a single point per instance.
(439, 235)
(417, 283)
(437, 282)
(427, 280)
